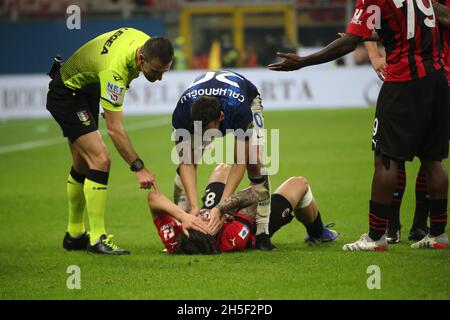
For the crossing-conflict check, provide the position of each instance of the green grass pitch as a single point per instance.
(329, 147)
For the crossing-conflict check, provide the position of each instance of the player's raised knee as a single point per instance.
(222, 168)
(299, 183)
(220, 173)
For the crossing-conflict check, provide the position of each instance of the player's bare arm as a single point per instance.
(117, 133)
(188, 175)
(442, 14)
(377, 60)
(235, 176)
(158, 204)
(242, 199)
(374, 38)
(237, 169)
(334, 50)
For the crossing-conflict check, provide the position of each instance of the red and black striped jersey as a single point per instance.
(409, 32)
(445, 36)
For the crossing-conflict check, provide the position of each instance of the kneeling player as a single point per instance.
(292, 198)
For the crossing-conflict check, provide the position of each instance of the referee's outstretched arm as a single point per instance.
(117, 133)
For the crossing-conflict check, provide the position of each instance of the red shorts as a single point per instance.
(169, 230)
(236, 235)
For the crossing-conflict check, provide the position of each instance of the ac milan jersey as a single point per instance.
(445, 36)
(409, 32)
(169, 230)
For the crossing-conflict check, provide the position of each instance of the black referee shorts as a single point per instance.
(412, 119)
(75, 112)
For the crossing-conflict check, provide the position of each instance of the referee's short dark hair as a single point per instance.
(158, 47)
(205, 109)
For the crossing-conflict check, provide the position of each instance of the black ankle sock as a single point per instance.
(394, 217)
(378, 219)
(422, 201)
(315, 229)
(438, 216)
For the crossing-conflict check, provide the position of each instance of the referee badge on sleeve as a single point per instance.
(114, 93)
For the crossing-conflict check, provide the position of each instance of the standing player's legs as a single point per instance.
(75, 193)
(259, 178)
(438, 193)
(391, 143)
(91, 148)
(394, 226)
(433, 150)
(295, 198)
(419, 228)
(180, 197)
(76, 238)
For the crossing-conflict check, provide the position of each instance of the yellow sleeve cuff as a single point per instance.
(109, 106)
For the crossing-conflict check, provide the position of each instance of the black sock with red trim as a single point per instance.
(394, 217)
(438, 216)
(422, 201)
(378, 219)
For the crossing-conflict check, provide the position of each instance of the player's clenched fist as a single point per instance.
(146, 179)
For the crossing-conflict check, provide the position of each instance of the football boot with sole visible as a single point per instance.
(430, 242)
(365, 243)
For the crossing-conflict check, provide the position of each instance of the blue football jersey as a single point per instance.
(234, 92)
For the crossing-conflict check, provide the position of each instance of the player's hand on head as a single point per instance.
(215, 221)
(146, 179)
(191, 222)
(291, 62)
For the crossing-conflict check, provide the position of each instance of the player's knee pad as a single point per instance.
(306, 200)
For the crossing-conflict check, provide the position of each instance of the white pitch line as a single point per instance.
(56, 140)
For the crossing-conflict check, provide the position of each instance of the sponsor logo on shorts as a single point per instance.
(243, 233)
(114, 93)
(84, 117)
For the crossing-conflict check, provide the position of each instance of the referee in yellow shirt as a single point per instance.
(101, 70)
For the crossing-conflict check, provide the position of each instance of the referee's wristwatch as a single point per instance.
(137, 165)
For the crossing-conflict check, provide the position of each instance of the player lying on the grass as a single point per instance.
(224, 101)
(293, 198)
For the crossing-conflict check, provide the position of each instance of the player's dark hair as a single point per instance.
(205, 109)
(197, 243)
(158, 47)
